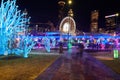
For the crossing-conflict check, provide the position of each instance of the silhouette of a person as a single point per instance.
(81, 49)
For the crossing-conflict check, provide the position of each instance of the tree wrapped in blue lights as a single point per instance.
(12, 29)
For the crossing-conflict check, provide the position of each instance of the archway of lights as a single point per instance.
(68, 25)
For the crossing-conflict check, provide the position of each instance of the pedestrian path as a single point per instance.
(73, 67)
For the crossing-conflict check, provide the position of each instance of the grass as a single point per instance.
(24, 69)
(113, 64)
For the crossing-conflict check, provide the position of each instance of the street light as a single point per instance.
(69, 15)
(117, 14)
(69, 2)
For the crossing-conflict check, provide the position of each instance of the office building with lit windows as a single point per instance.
(111, 22)
(94, 21)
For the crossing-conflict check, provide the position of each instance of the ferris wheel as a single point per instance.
(68, 25)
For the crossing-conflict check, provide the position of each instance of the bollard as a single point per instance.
(116, 54)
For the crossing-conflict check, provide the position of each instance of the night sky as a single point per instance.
(48, 10)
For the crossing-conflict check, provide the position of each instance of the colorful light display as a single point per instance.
(13, 38)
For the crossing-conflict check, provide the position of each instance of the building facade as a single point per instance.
(94, 21)
(111, 22)
(61, 13)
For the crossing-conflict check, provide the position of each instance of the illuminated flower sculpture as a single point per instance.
(13, 24)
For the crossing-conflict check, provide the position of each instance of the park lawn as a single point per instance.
(25, 69)
(113, 64)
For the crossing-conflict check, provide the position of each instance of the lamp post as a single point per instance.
(69, 15)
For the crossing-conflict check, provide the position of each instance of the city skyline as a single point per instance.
(44, 11)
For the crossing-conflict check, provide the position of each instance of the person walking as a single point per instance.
(60, 47)
(81, 49)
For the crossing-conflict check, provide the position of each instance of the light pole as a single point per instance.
(69, 15)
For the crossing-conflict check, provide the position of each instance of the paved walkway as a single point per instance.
(72, 67)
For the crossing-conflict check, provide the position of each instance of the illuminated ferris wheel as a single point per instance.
(68, 25)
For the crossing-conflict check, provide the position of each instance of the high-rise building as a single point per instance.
(70, 13)
(94, 21)
(61, 13)
(111, 22)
